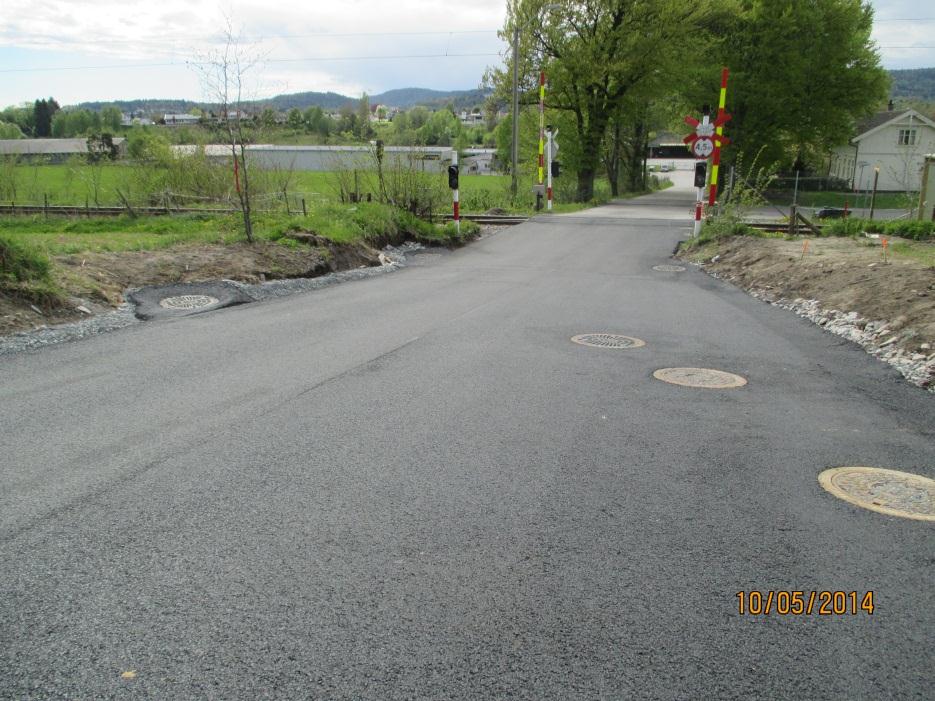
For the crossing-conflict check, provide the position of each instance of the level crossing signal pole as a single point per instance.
(706, 141)
(453, 184)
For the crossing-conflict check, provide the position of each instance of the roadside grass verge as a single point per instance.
(26, 273)
(904, 228)
(370, 223)
(74, 184)
(920, 252)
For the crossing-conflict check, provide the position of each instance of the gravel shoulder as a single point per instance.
(845, 286)
(99, 283)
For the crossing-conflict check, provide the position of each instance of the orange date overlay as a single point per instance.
(804, 603)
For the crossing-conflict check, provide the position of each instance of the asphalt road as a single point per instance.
(416, 486)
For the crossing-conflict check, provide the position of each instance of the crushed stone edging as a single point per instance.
(392, 257)
(874, 336)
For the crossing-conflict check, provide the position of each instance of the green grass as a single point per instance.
(884, 200)
(921, 252)
(365, 222)
(26, 273)
(904, 228)
(78, 183)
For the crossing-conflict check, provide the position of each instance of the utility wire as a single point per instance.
(269, 60)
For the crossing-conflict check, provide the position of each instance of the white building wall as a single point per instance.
(432, 159)
(900, 166)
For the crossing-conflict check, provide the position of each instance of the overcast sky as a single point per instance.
(79, 50)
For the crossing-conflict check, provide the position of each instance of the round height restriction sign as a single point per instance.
(703, 147)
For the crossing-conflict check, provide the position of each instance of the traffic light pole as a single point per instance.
(700, 168)
(454, 194)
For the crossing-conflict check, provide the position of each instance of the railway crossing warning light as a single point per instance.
(453, 177)
(556, 169)
(701, 172)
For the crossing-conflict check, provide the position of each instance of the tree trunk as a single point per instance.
(613, 160)
(585, 185)
(635, 181)
(590, 159)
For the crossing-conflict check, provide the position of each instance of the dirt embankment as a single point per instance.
(844, 285)
(95, 282)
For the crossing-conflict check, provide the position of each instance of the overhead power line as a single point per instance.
(269, 60)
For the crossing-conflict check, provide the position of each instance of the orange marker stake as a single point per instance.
(804, 248)
(885, 244)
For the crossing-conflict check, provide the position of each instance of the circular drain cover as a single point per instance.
(607, 340)
(187, 302)
(699, 377)
(669, 268)
(886, 491)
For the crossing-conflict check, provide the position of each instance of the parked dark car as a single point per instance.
(831, 213)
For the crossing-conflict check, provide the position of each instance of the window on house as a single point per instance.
(907, 137)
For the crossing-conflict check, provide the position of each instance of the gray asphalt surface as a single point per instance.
(415, 486)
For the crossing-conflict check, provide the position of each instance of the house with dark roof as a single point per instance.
(892, 142)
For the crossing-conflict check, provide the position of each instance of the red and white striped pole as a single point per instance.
(548, 170)
(455, 199)
(719, 132)
(700, 167)
(697, 228)
(541, 124)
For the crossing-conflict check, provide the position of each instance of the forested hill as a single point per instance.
(915, 83)
(403, 98)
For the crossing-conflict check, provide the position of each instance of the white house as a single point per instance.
(893, 141)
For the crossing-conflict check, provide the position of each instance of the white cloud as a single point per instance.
(60, 33)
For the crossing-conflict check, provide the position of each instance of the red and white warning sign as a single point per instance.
(702, 140)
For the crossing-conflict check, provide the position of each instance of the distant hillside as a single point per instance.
(304, 100)
(148, 106)
(915, 83)
(404, 98)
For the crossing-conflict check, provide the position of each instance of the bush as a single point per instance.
(27, 273)
(911, 229)
(723, 227)
(903, 228)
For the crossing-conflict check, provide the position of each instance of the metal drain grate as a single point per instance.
(886, 491)
(607, 340)
(188, 302)
(669, 268)
(699, 377)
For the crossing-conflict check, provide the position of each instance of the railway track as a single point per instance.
(492, 219)
(80, 211)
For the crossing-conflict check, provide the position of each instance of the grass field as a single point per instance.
(80, 184)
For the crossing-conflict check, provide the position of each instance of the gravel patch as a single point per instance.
(122, 317)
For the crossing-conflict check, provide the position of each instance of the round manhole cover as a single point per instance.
(187, 302)
(886, 491)
(607, 340)
(700, 377)
(669, 268)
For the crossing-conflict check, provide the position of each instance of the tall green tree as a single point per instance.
(111, 118)
(597, 53)
(43, 111)
(364, 131)
(802, 71)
